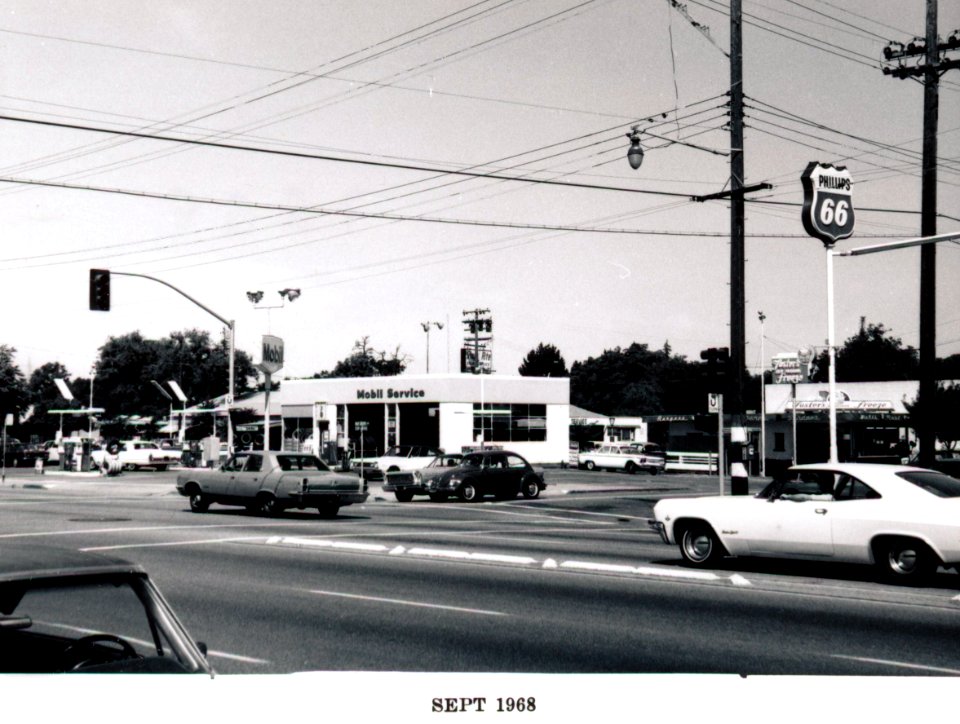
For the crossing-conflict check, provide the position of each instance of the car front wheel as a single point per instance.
(329, 510)
(199, 503)
(403, 496)
(267, 505)
(468, 492)
(591, 465)
(700, 546)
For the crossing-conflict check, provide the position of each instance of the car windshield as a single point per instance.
(41, 625)
(398, 451)
(939, 484)
(301, 462)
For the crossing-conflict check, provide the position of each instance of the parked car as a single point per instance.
(404, 484)
(904, 520)
(399, 457)
(270, 482)
(488, 472)
(13, 452)
(628, 458)
(136, 454)
(68, 611)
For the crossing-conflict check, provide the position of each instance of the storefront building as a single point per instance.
(455, 412)
(873, 423)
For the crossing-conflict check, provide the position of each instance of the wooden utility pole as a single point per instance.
(930, 69)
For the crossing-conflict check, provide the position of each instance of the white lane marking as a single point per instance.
(149, 644)
(326, 543)
(465, 555)
(401, 602)
(899, 664)
(640, 570)
(480, 557)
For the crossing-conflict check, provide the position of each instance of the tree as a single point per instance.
(365, 361)
(45, 395)
(127, 364)
(945, 421)
(544, 361)
(14, 396)
(870, 356)
(620, 381)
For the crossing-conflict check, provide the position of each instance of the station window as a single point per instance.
(504, 422)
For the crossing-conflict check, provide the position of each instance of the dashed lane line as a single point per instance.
(418, 604)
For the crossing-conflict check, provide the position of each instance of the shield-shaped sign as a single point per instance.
(827, 202)
(272, 360)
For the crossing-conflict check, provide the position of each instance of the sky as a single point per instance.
(371, 151)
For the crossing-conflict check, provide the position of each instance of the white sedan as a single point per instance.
(904, 520)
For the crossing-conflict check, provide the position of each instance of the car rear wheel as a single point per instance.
(328, 510)
(700, 546)
(404, 496)
(631, 467)
(468, 493)
(199, 502)
(530, 488)
(903, 560)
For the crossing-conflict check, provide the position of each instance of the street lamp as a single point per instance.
(635, 152)
(763, 401)
(286, 295)
(426, 328)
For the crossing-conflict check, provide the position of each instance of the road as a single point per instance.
(573, 582)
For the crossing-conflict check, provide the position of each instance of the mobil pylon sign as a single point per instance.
(272, 359)
(827, 202)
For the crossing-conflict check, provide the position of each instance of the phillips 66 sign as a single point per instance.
(827, 202)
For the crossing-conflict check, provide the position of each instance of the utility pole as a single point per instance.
(738, 473)
(930, 69)
(481, 322)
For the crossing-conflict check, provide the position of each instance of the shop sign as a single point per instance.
(827, 202)
(271, 355)
(843, 405)
(390, 393)
(789, 368)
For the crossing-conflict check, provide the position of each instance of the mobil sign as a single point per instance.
(272, 356)
(827, 202)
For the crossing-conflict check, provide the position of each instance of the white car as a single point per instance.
(629, 458)
(136, 454)
(904, 520)
(400, 457)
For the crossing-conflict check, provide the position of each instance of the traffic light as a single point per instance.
(100, 290)
(718, 363)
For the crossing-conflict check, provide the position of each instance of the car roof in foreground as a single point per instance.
(20, 562)
(858, 468)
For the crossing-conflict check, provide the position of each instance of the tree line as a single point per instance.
(625, 381)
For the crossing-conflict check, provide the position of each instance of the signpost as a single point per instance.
(715, 404)
(361, 427)
(271, 360)
(828, 216)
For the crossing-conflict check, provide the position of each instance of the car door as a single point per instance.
(795, 521)
(246, 481)
(495, 476)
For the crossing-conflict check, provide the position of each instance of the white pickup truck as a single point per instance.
(629, 458)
